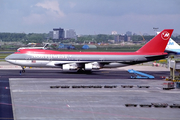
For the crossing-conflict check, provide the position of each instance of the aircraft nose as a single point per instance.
(10, 59)
(7, 58)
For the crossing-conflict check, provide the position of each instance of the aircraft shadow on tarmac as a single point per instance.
(80, 72)
(100, 74)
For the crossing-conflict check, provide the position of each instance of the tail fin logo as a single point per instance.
(165, 35)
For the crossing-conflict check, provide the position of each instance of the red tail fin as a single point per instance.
(158, 43)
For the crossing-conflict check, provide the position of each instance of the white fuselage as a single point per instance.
(71, 61)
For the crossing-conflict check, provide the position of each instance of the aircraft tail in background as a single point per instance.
(172, 46)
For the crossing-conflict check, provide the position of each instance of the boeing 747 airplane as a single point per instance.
(153, 50)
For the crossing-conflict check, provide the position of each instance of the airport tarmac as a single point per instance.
(12, 71)
(33, 99)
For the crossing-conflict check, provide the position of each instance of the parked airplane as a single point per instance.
(153, 50)
(172, 47)
(44, 47)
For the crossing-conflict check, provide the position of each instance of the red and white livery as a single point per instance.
(153, 50)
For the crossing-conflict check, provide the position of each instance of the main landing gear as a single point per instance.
(82, 70)
(23, 70)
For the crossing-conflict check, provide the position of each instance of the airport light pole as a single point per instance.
(155, 30)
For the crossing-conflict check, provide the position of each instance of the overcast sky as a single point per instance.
(89, 16)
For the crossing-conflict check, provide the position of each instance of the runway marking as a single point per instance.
(84, 90)
(6, 118)
(136, 91)
(116, 74)
(169, 91)
(158, 87)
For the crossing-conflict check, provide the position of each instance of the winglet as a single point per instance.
(158, 43)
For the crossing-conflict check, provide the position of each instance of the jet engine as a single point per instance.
(94, 65)
(69, 67)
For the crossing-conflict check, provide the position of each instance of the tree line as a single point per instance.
(22, 37)
(103, 38)
(42, 37)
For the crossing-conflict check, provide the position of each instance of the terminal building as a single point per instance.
(122, 38)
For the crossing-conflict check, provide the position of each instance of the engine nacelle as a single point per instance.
(90, 66)
(69, 67)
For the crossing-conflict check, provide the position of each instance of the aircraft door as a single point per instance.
(27, 58)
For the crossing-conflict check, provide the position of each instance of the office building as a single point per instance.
(58, 34)
(71, 34)
(129, 33)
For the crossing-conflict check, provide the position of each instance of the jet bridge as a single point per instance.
(174, 66)
(140, 75)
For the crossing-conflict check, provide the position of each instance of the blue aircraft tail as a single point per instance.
(172, 46)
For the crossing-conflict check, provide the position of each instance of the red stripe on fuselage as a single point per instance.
(39, 51)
